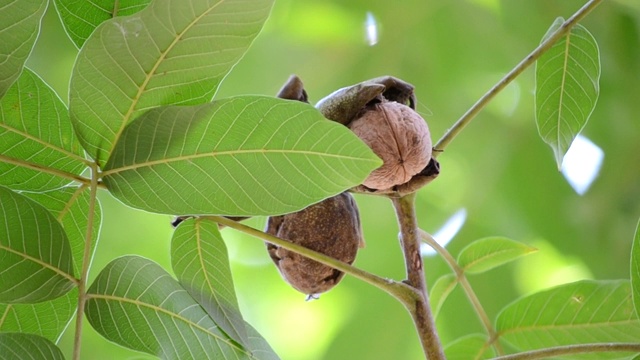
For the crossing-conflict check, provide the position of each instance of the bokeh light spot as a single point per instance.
(371, 29)
(581, 164)
(548, 267)
(444, 235)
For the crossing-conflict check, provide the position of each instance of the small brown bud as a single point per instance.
(331, 227)
(399, 136)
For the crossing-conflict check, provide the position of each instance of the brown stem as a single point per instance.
(400, 290)
(419, 308)
(466, 286)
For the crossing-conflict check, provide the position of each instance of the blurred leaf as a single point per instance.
(19, 29)
(566, 87)
(81, 17)
(16, 346)
(35, 257)
(577, 313)
(172, 52)
(469, 347)
(48, 319)
(635, 269)
(249, 155)
(162, 318)
(35, 127)
(200, 261)
(488, 253)
(441, 290)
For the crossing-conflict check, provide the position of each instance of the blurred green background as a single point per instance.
(498, 169)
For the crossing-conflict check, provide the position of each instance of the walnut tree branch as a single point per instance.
(515, 72)
(420, 309)
(399, 290)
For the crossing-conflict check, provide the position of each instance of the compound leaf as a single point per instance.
(171, 52)
(248, 155)
(567, 87)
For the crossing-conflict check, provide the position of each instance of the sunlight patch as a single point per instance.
(582, 164)
(371, 29)
(444, 235)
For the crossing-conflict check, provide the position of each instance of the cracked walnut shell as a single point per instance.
(399, 136)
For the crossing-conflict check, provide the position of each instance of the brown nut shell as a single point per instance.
(399, 136)
(331, 227)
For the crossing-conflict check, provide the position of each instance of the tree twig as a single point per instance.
(420, 309)
(466, 286)
(86, 260)
(521, 67)
(44, 169)
(400, 290)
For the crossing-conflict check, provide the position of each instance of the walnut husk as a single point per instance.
(331, 227)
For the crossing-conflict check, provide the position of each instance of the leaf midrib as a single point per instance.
(171, 314)
(207, 278)
(45, 265)
(225, 153)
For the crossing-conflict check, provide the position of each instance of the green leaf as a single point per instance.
(475, 346)
(35, 129)
(200, 261)
(567, 87)
(635, 269)
(162, 319)
(172, 52)
(16, 346)
(70, 206)
(48, 319)
(576, 313)
(249, 155)
(440, 291)
(81, 17)
(20, 26)
(491, 252)
(35, 257)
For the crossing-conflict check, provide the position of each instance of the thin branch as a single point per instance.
(572, 349)
(515, 72)
(420, 309)
(466, 286)
(400, 290)
(86, 260)
(45, 144)
(44, 169)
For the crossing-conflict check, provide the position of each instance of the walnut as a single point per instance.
(399, 136)
(331, 227)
